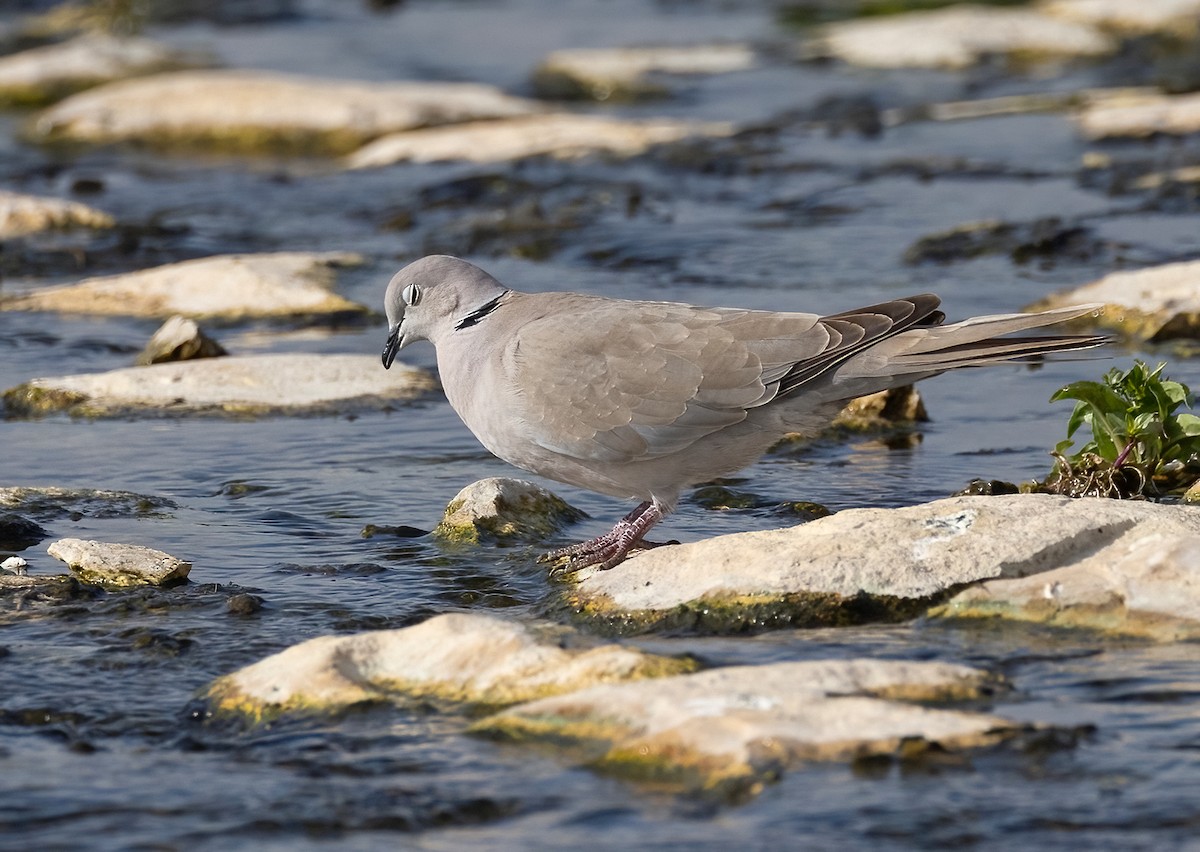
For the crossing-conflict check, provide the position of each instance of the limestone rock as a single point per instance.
(45, 74)
(15, 565)
(456, 657)
(1157, 303)
(864, 564)
(957, 37)
(1141, 116)
(22, 214)
(1146, 584)
(295, 383)
(730, 729)
(179, 339)
(229, 287)
(559, 135)
(504, 509)
(625, 73)
(1180, 17)
(260, 110)
(108, 564)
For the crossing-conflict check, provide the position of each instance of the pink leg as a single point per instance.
(610, 549)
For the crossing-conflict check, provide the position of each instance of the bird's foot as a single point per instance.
(608, 550)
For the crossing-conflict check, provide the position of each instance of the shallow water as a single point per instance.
(101, 743)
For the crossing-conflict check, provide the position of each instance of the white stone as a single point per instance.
(561, 135)
(15, 564)
(957, 37)
(601, 72)
(45, 73)
(251, 384)
(235, 286)
(119, 564)
(1128, 16)
(1141, 116)
(22, 214)
(210, 106)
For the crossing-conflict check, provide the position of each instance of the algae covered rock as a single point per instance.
(1156, 304)
(295, 383)
(53, 503)
(560, 135)
(863, 564)
(504, 509)
(22, 214)
(456, 657)
(179, 339)
(265, 111)
(729, 730)
(106, 564)
(230, 287)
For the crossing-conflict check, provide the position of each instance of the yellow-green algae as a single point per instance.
(534, 517)
(1111, 617)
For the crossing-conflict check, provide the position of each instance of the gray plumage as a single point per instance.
(642, 399)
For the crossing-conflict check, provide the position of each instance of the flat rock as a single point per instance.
(1179, 17)
(287, 383)
(45, 74)
(109, 564)
(957, 37)
(1156, 304)
(506, 510)
(625, 73)
(228, 287)
(560, 135)
(864, 564)
(260, 110)
(457, 657)
(179, 339)
(1140, 116)
(729, 730)
(52, 503)
(22, 214)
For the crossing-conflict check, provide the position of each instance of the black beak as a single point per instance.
(390, 348)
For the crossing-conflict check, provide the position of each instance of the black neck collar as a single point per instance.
(479, 313)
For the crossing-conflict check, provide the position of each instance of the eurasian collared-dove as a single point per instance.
(641, 399)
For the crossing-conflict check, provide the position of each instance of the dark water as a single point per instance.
(101, 744)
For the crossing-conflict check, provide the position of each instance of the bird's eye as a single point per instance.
(411, 294)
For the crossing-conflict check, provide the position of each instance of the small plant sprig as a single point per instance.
(1141, 445)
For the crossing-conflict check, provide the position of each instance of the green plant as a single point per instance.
(1141, 445)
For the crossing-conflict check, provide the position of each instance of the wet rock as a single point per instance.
(730, 730)
(295, 383)
(15, 565)
(987, 488)
(22, 214)
(506, 510)
(244, 603)
(1177, 17)
(882, 410)
(1048, 237)
(559, 135)
(1157, 304)
(18, 533)
(1145, 584)
(179, 339)
(863, 564)
(265, 111)
(107, 564)
(456, 657)
(1027, 102)
(48, 504)
(228, 287)
(629, 73)
(956, 37)
(45, 74)
(1141, 116)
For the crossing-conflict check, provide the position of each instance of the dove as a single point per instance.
(640, 399)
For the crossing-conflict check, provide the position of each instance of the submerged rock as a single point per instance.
(1141, 116)
(179, 339)
(53, 503)
(1156, 304)
(957, 37)
(19, 533)
(504, 509)
(109, 564)
(1022, 241)
(864, 564)
(22, 214)
(729, 730)
(295, 383)
(559, 135)
(627, 73)
(45, 74)
(457, 657)
(266, 111)
(229, 287)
